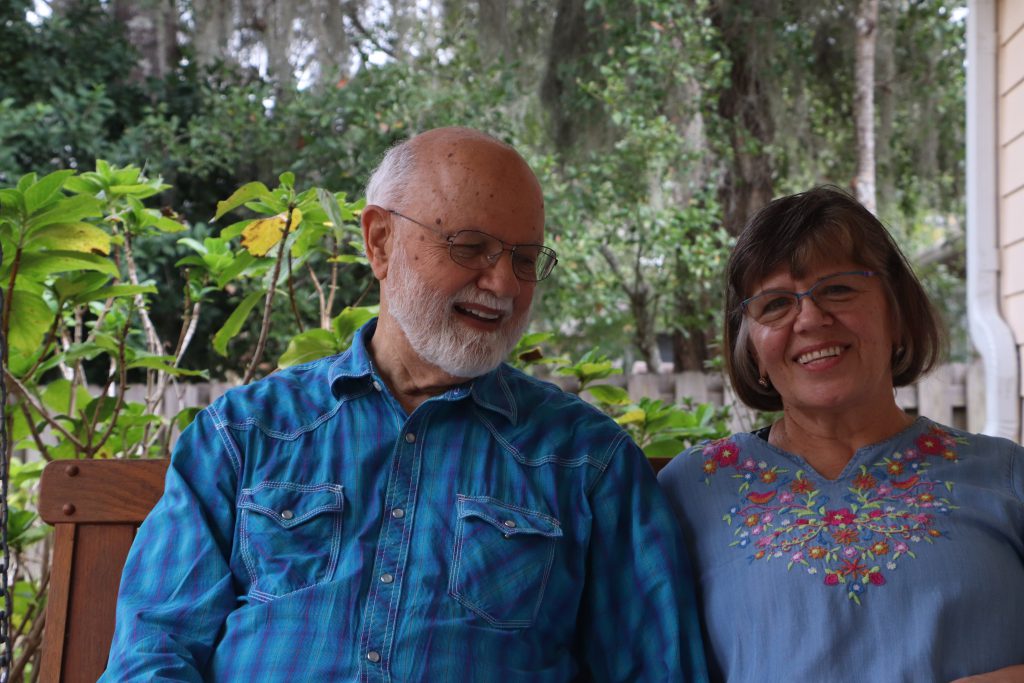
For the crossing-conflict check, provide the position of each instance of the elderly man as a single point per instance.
(412, 509)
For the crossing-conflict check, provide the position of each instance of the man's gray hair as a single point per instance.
(389, 182)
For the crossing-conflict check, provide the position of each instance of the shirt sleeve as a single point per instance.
(638, 619)
(176, 589)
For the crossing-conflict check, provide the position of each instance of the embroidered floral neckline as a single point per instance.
(891, 506)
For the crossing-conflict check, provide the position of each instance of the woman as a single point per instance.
(848, 541)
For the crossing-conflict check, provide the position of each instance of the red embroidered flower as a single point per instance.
(769, 476)
(846, 536)
(930, 444)
(926, 498)
(875, 514)
(831, 579)
(725, 454)
(837, 517)
(751, 520)
(710, 467)
(864, 482)
(894, 468)
(801, 486)
(876, 578)
(817, 552)
(880, 548)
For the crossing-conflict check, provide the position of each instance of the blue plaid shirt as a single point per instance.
(311, 530)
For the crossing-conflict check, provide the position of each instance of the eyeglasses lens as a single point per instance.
(831, 294)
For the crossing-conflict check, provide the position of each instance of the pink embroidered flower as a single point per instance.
(849, 551)
(902, 547)
(748, 464)
(797, 556)
(840, 516)
(785, 497)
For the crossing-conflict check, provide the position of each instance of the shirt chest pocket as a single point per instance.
(290, 535)
(501, 560)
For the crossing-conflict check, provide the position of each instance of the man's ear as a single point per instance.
(378, 229)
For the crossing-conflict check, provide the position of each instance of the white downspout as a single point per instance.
(991, 335)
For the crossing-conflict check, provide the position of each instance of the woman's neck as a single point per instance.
(828, 440)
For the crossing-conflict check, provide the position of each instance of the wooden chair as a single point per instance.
(95, 507)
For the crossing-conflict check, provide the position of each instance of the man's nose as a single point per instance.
(500, 278)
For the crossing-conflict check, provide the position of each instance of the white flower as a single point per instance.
(812, 570)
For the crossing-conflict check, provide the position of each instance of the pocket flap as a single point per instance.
(510, 520)
(291, 504)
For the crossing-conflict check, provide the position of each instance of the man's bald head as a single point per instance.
(393, 179)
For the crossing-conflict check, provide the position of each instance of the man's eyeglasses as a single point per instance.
(479, 251)
(833, 294)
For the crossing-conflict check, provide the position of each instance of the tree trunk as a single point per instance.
(152, 28)
(746, 107)
(864, 102)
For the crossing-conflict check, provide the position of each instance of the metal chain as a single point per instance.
(7, 655)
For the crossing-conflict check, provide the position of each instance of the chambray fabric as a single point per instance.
(312, 531)
(908, 567)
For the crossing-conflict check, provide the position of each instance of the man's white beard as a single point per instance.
(430, 325)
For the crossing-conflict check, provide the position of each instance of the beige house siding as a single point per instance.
(1010, 86)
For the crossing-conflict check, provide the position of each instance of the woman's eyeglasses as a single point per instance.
(833, 294)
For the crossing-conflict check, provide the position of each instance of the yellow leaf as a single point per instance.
(259, 236)
(631, 416)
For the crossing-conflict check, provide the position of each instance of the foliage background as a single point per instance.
(656, 128)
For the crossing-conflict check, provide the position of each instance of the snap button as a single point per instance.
(398, 513)
(287, 514)
(510, 523)
(386, 578)
(376, 385)
(373, 656)
(410, 437)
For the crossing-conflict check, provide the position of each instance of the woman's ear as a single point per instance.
(378, 233)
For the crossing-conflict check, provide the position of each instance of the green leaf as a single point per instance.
(664, 448)
(157, 363)
(114, 291)
(242, 261)
(235, 321)
(83, 185)
(30, 318)
(246, 193)
(185, 416)
(349, 258)
(330, 206)
(69, 210)
(99, 409)
(308, 346)
(349, 320)
(82, 237)
(39, 265)
(609, 395)
(234, 230)
(137, 190)
(44, 190)
(287, 178)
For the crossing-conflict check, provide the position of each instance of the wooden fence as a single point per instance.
(953, 395)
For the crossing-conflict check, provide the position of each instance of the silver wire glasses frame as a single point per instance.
(477, 250)
(832, 293)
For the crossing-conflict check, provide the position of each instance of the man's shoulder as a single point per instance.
(285, 398)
